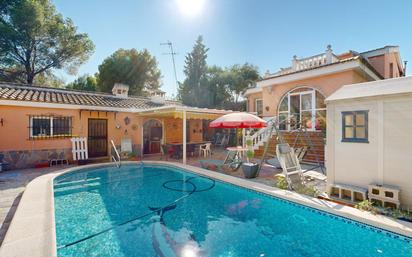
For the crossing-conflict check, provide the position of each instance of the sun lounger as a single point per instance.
(232, 162)
(299, 151)
(290, 165)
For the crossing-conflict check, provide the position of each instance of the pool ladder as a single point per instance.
(118, 161)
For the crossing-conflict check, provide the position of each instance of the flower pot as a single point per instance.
(250, 169)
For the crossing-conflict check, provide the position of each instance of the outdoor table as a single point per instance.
(238, 149)
(178, 148)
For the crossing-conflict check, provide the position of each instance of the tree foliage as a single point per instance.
(193, 91)
(84, 83)
(138, 69)
(34, 38)
(49, 79)
(213, 86)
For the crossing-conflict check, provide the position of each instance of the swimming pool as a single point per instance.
(156, 210)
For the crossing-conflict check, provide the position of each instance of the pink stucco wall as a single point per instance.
(272, 95)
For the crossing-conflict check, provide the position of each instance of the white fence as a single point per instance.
(79, 148)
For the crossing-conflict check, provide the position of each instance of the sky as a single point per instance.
(265, 33)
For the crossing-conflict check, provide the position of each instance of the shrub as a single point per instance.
(281, 183)
(367, 206)
(307, 190)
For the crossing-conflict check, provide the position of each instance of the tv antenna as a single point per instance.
(172, 53)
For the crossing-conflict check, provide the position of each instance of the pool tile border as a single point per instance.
(41, 241)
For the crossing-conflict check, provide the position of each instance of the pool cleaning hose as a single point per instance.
(153, 210)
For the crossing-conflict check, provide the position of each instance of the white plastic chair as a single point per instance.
(205, 150)
(126, 147)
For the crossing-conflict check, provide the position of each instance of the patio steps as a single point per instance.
(318, 145)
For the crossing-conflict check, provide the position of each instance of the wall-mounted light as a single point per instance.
(1, 122)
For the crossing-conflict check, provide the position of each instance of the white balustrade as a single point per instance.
(262, 135)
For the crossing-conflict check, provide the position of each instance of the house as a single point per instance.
(296, 94)
(368, 136)
(36, 123)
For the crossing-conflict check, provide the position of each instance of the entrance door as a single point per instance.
(97, 138)
(152, 136)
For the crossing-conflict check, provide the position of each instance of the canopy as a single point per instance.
(238, 120)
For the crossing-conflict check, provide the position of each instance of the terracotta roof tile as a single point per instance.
(18, 92)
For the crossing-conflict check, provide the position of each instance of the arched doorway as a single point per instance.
(152, 136)
(303, 105)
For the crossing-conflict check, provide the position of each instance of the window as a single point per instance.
(259, 106)
(355, 126)
(302, 107)
(49, 126)
(391, 70)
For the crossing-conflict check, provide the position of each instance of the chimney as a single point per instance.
(120, 90)
(157, 96)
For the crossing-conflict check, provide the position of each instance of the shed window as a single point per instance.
(49, 126)
(355, 126)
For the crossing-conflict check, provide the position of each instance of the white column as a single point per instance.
(184, 137)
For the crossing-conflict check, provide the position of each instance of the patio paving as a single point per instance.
(13, 183)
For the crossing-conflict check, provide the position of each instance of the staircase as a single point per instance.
(318, 145)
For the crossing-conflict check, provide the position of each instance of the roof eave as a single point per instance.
(325, 70)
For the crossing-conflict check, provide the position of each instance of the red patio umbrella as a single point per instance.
(238, 120)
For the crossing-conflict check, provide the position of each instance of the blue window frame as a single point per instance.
(355, 126)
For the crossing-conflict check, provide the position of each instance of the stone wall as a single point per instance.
(28, 159)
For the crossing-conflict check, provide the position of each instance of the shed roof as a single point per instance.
(396, 86)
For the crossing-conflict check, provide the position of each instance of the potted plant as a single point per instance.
(249, 168)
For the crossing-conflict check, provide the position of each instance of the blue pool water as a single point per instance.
(155, 210)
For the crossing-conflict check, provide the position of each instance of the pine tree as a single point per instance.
(193, 91)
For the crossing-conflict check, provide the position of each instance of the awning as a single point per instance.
(176, 112)
(184, 113)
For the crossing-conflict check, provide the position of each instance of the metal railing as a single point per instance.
(118, 161)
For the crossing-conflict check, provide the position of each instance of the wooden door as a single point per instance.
(97, 138)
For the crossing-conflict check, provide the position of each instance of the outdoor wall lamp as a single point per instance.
(1, 122)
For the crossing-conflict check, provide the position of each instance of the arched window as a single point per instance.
(302, 106)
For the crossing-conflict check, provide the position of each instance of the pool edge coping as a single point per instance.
(32, 231)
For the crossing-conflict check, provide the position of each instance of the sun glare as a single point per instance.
(190, 7)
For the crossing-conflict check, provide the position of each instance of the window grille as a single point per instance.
(43, 127)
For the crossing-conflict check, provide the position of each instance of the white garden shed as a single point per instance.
(369, 136)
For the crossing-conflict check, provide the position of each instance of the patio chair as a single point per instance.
(299, 151)
(204, 150)
(232, 162)
(224, 140)
(190, 150)
(126, 148)
(290, 165)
